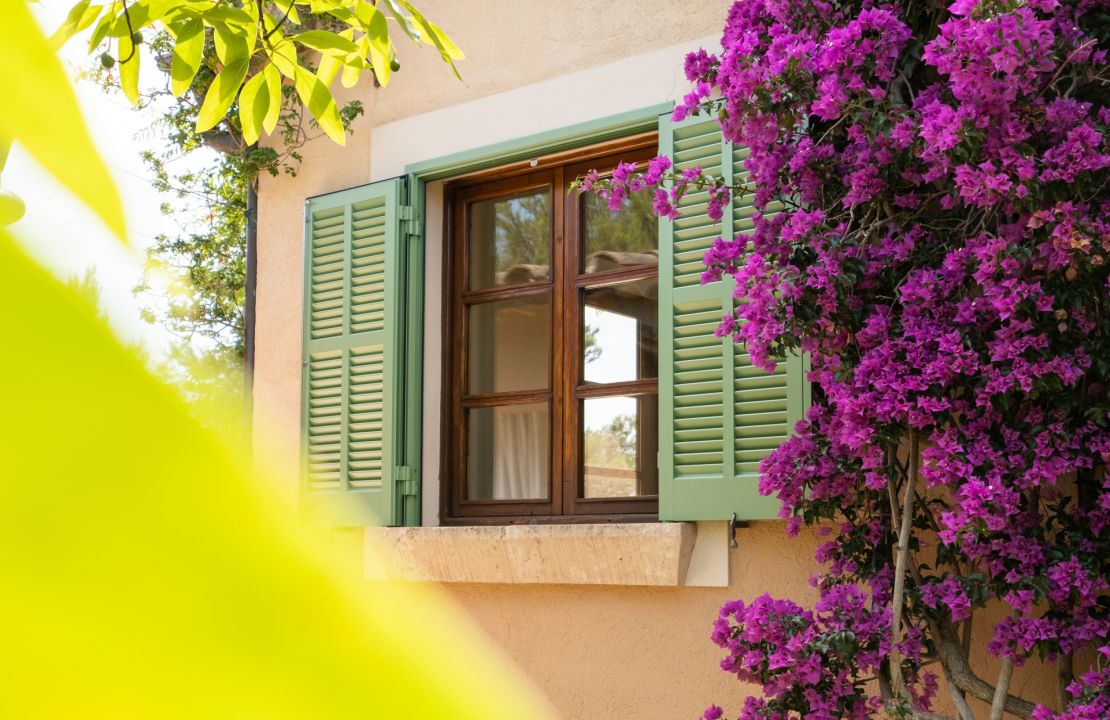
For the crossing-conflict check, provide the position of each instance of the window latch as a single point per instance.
(732, 533)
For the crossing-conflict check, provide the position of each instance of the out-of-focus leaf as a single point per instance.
(325, 42)
(254, 101)
(221, 94)
(273, 106)
(80, 17)
(41, 113)
(129, 69)
(317, 98)
(187, 52)
(148, 576)
(102, 26)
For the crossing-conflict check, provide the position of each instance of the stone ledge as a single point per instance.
(610, 554)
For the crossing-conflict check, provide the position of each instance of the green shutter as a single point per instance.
(353, 376)
(719, 415)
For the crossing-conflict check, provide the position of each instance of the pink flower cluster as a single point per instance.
(944, 260)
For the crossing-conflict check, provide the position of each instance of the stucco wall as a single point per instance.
(597, 652)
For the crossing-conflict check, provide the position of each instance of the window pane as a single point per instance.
(510, 345)
(507, 453)
(629, 236)
(510, 240)
(619, 443)
(620, 332)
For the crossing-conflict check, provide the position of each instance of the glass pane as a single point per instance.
(619, 443)
(629, 236)
(507, 454)
(620, 332)
(510, 240)
(510, 345)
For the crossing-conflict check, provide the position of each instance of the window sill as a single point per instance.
(659, 554)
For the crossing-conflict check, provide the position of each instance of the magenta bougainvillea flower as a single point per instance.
(938, 245)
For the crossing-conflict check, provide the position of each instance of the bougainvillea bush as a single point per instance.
(943, 261)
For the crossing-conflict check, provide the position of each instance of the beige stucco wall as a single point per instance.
(598, 652)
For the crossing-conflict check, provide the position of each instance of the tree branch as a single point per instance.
(1001, 688)
(955, 662)
(897, 681)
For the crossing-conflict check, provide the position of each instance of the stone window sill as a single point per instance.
(657, 554)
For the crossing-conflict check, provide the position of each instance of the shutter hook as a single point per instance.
(732, 532)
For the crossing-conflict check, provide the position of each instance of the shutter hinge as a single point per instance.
(407, 483)
(410, 224)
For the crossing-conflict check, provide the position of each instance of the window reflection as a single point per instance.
(510, 240)
(626, 237)
(619, 444)
(620, 333)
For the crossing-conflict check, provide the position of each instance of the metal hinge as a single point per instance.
(410, 223)
(407, 483)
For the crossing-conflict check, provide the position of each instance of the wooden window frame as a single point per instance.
(566, 387)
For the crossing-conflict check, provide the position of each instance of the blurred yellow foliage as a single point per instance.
(144, 573)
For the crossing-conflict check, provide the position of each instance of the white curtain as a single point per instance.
(520, 457)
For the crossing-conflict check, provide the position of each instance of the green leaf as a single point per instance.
(223, 14)
(273, 107)
(221, 94)
(377, 31)
(231, 43)
(53, 132)
(102, 27)
(447, 49)
(325, 42)
(129, 69)
(187, 52)
(81, 16)
(138, 15)
(399, 15)
(317, 98)
(327, 69)
(284, 55)
(253, 105)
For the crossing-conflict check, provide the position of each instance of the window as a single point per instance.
(551, 392)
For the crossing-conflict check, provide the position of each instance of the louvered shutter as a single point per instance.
(719, 415)
(353, 349)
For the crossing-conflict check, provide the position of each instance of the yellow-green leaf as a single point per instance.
(231, 43)
(101, 30)
(253, 104)
(139, 15)
(221, 94)
(284, 56)
(328, 69)
(403, 20)
(448, 51)
(350, 76)
(377, 32)
(129, 69)
(317, 98)
(273, 106)
(81, 16)
(187, 52)
(325, 42)
(53, 132)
